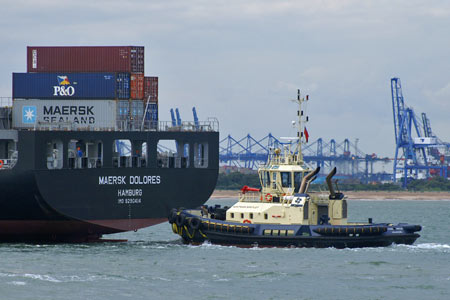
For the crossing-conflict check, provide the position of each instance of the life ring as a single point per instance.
(268, 197)
(247, 221)
(1, 163)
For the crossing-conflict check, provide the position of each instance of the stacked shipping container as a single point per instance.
(86, 74)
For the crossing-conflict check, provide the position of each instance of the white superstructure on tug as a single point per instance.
(283, 197)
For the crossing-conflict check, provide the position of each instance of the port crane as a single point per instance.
(415, 143)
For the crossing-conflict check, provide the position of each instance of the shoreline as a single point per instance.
(364, 195)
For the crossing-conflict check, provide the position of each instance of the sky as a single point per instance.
(242, 61)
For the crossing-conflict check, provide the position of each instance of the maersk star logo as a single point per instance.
(29, 114)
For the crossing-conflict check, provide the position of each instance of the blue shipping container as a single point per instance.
(152, 112)
(71, 85)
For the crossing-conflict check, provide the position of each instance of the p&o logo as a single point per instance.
(29, 114)
(63, 88)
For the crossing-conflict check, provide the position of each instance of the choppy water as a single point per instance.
(154, 264)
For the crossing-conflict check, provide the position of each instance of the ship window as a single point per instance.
(85, 154)
(265, 216)
(139, 154)
(242, 216)
(122, 154)
(172, 154)
(285, 179)
(8, 154)
(54, 154)
(251, 215)
(201, 155)
(232, 215)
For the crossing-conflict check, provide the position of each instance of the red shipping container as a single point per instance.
(128, 59)
(137, 86)
(151, 89)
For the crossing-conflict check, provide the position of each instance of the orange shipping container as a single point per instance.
(137, 86)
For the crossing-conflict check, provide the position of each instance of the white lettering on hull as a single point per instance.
(117, 180)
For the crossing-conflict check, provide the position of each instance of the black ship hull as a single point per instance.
(196, 230)
(81, 204)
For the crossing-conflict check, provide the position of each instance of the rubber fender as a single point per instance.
(180, 220)
(172, 216)
(194, 223)
(412, 228)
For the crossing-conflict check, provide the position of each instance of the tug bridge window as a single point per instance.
(286, 179)
(265, 178)
(297, 181)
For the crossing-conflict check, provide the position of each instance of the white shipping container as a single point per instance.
(78, 114)
(425, 141)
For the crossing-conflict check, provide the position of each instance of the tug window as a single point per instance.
(242, 216)
(265, 216)
(285, 179)
(274, 180)
(232, 215)
(251, 215)
(265, 179)
(297, 181)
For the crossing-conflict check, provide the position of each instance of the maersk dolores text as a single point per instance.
(129, 179)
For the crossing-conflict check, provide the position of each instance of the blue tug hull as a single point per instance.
(195, 229)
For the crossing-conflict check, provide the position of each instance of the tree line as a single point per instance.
(236, 180)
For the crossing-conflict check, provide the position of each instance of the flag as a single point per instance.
(306, 134)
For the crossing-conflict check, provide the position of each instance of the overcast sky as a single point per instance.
(241, 61)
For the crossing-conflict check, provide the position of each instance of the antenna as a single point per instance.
(299, 101)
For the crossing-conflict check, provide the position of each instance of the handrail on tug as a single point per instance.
(308, 179)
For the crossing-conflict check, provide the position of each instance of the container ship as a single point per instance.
(83, 152)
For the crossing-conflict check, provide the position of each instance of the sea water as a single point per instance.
(154, 264)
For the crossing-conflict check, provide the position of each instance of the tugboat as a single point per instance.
(283, 213)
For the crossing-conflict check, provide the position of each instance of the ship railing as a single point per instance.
(200, 162)
(134, 161)
(211, 125)
(250, 196)
(173, 162)
(54, 163)
(203, 126)
(8, 163)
